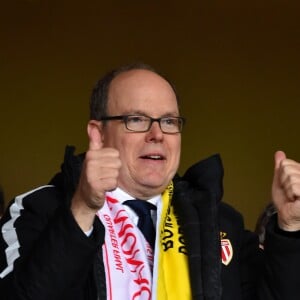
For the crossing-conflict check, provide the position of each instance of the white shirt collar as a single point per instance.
(122, 196)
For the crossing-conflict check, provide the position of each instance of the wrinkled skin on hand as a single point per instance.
(99, 174)
(286, 192)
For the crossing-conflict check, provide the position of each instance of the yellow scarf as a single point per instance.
(173, 274)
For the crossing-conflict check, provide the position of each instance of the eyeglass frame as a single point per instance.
(124, 118)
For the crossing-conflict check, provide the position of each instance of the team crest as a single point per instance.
(226, 249)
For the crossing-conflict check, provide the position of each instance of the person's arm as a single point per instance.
(43, 251)
(99, 174)
(280, 278)
(250, 265)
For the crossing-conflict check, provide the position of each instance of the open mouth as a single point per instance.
(153, 157)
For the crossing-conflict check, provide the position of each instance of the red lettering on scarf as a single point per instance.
(118, 260)
(128, 244)
(143, 290)
(114, 242)
(125, 225)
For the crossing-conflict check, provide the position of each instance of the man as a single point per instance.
(79, 237)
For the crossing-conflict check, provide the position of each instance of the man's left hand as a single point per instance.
(286, 192)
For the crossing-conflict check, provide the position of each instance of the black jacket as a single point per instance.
(54, 259)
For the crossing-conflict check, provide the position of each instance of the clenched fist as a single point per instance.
(286, 192)
(99, 174)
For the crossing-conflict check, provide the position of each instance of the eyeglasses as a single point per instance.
(140, 123)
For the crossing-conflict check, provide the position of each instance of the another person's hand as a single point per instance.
(286, 192)
(99, 174)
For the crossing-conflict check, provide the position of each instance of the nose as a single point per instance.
(154, 134)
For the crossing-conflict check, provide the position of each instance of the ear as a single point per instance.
(92, 126)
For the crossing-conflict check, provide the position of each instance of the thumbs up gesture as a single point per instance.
(286, 192)
(99, 174)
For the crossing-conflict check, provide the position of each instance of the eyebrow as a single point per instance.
(139, 112)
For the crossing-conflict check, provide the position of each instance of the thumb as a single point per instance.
(279, 156)
(95, 138)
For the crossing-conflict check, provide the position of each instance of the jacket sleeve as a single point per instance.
(243, 257)
(280, 278)
(272, 273)
(251, 261)
(43, 252)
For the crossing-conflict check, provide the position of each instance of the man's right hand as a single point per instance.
(99, 174)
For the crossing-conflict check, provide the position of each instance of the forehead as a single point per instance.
(141, 91)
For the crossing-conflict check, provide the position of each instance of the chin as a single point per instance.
(157, 186)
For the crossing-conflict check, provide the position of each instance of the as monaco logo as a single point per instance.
(226, 250)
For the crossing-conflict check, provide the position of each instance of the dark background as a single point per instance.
(235, 65)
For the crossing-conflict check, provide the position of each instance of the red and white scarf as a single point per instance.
(129, 259)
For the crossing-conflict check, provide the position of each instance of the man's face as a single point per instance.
(149, 159)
